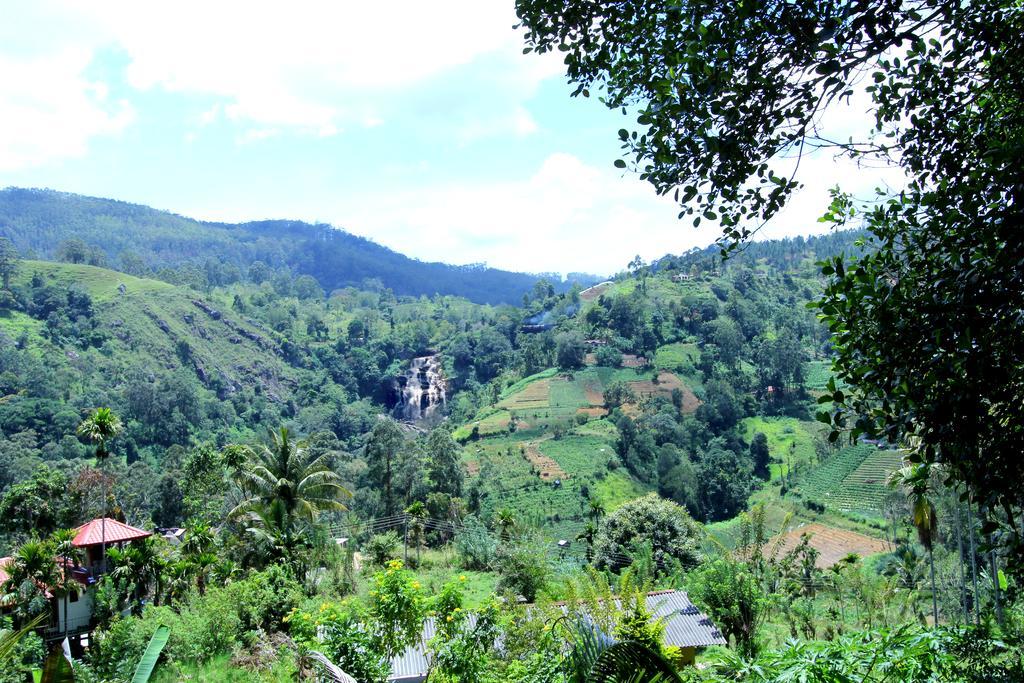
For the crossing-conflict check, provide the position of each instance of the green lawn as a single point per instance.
(676, 356)
(789, 440)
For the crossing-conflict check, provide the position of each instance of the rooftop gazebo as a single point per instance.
(92, 536)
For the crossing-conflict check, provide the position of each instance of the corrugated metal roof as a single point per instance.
(685, 626)
(96, 533)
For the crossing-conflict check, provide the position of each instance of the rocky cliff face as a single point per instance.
(421, 393)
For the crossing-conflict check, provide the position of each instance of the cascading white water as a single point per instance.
(422, 390)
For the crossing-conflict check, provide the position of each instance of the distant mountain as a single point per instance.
(143, 241)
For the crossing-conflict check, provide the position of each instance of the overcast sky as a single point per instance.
(419, 125)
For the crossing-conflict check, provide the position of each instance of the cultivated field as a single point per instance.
(852, 480)
(831, 543)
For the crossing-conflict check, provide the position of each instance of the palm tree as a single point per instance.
(914, 479)
(151, 562)
(285, 487)
(101, 427)
(588, 534)
(596, 510)
(416, 526)
(506, 522)
(31, 571)
(198, 550)
(62, 542)
(179, 579)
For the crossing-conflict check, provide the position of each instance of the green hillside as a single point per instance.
(161, 326)
(852, 480)
(145, 241)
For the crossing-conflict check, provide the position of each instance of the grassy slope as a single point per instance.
(149, 319)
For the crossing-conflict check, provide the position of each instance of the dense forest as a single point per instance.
(144, 242)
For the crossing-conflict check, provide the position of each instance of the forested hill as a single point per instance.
(146, 242)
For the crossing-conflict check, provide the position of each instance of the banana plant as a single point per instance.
(149, 658)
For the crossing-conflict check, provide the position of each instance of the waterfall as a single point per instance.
(421, 391)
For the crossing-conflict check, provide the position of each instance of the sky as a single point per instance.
(422, 126)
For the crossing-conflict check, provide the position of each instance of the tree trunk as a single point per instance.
(960, 563)
(974, 563)
(935, 598)
(995, 585)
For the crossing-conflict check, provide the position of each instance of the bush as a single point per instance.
(342, 634)
(667, 527)
(27, 655)
(609, 356)
(264, 598)
(475, 545)
(522, 569)
(381, 548)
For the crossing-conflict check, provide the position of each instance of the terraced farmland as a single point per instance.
(852, 480)
(876, 468)
(676, 356)
(831, 543)
(548, 399)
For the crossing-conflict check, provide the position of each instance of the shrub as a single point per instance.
(667, 527)
(475, 545)
(27, 655)
(381, 548)
(264, 598)
(397, 608)
(342, 633)
(522, 569)
(609, 356)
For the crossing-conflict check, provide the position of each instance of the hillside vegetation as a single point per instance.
(143, 241)
(679, 393)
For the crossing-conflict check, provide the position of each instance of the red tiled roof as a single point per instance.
(93, 533)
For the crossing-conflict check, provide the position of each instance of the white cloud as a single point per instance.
(310, 67)
(312, 64)
(566, 216)
(570, 216)
(49, 110)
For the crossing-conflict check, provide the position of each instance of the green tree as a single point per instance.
(726, 481)
(284, 488)
(36, 506)
(73, 250)
(8, 262)
(760, 455)
(608, 356)
(570, 350)
(444, 463)
(618, 393)
(397, 608)
(523, 568)
(732, 596)
(669, 530)
(382, 451)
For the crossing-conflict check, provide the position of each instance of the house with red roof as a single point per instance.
(94, 538)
